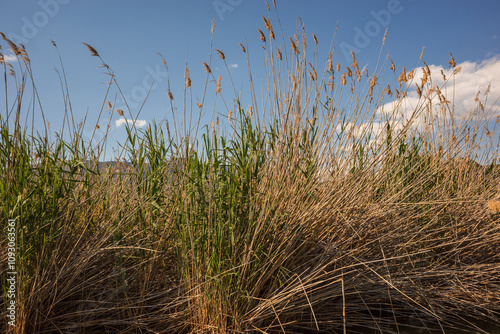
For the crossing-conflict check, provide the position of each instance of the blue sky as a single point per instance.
(129, 34)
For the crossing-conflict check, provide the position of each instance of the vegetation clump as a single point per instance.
(316, 209)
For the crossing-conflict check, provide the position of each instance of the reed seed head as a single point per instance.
(213, 27)
(218, 89)
(294, 46)
(221, 54)
(93, 51)
(262, 37)
(315, 39)
(452, 61)
(206, 67)
(188, 79)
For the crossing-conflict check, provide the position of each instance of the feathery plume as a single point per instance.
(294, 46)
(269, 27)
(349, 72)
(452, 61)
(206, 67)
(218, 89)
(188, 79)
(221, 54)
(213, 27)
(315, 39)
(93, 51)
(262, 37)
(280, 57)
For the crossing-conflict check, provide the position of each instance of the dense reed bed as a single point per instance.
(311, 210)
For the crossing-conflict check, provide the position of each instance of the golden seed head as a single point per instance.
(206, 67)
(315, 39)
(242, 47)
(343, 79)
(120, 112)
(422, 54)
(213, 27)
(93, 51)
(402, 76)
(188, 79)
(280, 57)
(294, 84)
(392, 66)
(262, 37)
(294, 47)
(170, 96)
(338, 67)
(218, 89)
(452, 61)
(229, 116)
(221, 54)
(487, 90)
(267, 23)
(419, 91)
(250, 111)
(444, 76)
(410, 75)
(109, 105)
(199, 105)
(354, 61)
(349, 72)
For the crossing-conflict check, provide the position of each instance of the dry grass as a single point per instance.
(294, 216)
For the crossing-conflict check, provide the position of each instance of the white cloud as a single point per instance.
(138, 123)
(234, 65)
(9, 58)
(461, 90)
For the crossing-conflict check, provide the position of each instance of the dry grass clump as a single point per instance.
(308, 212)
